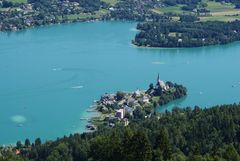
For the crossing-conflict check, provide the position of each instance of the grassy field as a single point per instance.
(83, 16)
(171, 9)
(4, 9)
(218, 11)
(17, 1)
(220, 18)
(219, 7)
(8, 9)
(111, 2)
(221, 12)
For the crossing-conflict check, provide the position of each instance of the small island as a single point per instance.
(123, 107)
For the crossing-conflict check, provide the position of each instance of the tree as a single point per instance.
(231, 154)
(99, 148)
(120, 95)
(27, 143)
(38, 142)
(18, 145)
(162, 143)
(138, 113)
(139, 148)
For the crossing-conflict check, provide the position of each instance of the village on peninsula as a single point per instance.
(121, 108)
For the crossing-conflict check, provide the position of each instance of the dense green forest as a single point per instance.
(197, 134)
(186, 34)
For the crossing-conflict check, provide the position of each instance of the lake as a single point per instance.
(51, 75)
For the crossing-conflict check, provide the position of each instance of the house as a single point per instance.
(108, 99)
(128, 110)
(111, 124)
(137, 93)
(126, 122)
(180, 40)
(91, 127)
(144, 99)
(111, 9)
(120, 113)
(131, 102)
(18, 152)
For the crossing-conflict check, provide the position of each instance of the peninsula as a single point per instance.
(170, 34)
(123, 107)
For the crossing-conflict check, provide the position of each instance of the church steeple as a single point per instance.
(158, 81)
(158, 78)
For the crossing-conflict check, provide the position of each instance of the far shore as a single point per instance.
(174, 48)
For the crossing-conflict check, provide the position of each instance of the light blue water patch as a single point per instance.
(51, 75)
(158, 63)
(19, 119)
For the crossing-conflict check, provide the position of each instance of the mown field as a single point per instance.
(218, 11)
(83, 16)
(17, 1)
(177, 9)
(111, 2)
(221, 12)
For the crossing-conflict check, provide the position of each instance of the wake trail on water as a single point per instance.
(158, 63)
(77, 87)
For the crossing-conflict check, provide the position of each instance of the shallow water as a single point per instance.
(51, 75)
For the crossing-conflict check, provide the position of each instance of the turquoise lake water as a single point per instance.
(51, 75)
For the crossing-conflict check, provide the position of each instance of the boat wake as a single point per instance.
(77, 87)
(57, 69)
(158, 63)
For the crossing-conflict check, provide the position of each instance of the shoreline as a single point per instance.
(113, 20)
(179, 48)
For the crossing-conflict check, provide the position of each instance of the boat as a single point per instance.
(83, 118)
(91, 127)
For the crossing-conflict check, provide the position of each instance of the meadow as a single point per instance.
(218, 11)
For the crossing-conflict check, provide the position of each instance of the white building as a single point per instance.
(161, 84)
(120, 113)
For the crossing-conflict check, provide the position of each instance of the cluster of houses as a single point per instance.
(4, 149)
(121, 104)
(24, 15)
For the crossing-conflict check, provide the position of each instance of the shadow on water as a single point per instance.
(171, 105)
(198, 51)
